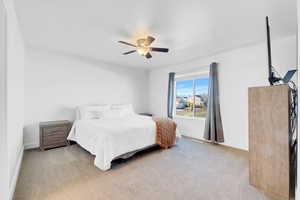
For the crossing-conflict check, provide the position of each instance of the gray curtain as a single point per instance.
(171, 94)
(213, 125)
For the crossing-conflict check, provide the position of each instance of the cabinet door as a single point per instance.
(269, 140)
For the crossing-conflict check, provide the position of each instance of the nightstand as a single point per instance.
(54, 134)
(146, 114)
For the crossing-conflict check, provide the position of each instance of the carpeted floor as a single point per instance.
(190, 170)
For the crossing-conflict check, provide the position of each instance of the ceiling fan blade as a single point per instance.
(127, 43)
(129, 52)
(165, 50)
(148, 55)
(149, 40)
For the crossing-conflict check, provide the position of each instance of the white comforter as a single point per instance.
(109, 138)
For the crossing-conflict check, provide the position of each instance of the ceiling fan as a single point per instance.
(143, 47)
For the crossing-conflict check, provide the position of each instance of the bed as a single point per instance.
(112, 132)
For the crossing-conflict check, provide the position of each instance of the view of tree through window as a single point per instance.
(192, 97)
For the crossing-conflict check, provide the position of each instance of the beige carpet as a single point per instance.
(190, 170)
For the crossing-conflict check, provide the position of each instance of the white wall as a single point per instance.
(4, 180)
(11, 102)
(55, 83)
(238, 70)
(15, 92)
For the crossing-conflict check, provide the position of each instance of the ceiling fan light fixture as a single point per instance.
(142, 50)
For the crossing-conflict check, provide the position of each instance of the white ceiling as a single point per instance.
(191, 29)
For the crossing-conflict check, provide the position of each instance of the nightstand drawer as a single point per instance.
(56, 135)
(55, 130)
(54, 140)
(54, 145)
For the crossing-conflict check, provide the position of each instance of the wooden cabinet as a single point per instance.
(54, 134)
(270, 141)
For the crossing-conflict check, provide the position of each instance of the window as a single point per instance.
(191, 97)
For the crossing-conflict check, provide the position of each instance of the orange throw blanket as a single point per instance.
(165, 132)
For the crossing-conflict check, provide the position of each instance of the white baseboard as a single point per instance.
(31, 146)
(222, 144)
(16, 174)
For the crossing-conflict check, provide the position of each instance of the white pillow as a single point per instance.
(119, 110)
(93, 111)
(124, 109)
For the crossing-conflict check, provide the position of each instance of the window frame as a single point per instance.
(193, 77)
